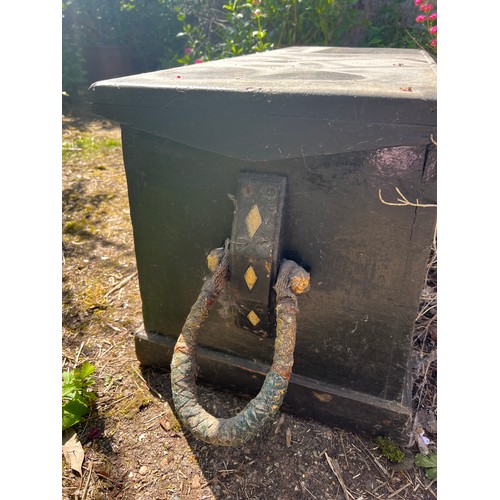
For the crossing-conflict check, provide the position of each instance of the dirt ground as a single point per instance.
(134, 446)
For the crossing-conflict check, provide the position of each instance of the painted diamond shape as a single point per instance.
(250, 277)
(253, 318)
(253, 220)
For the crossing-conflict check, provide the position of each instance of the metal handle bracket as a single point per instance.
(255, 250)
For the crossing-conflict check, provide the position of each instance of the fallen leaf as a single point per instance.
(73, 450)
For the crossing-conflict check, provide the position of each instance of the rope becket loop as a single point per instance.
(292, 280)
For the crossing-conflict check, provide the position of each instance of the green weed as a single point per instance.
(429, 462)
(77, 397)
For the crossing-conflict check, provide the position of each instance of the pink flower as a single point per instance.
(434, 43)
(420, 19)
(433, 17)
(426, 7)
(433, 30)
(188, 51)
(198, 61)
(418, 2)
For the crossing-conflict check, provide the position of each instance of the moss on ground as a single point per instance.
(390, 450)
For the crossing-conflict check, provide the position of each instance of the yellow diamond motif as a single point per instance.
(250, 277)
(253, 220)
(253, 318)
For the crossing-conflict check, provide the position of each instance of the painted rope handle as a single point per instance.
(292, 280)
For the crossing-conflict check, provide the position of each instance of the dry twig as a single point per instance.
(305, 488)
(84, 494)
(399, 491)
(78, 355)
(343, 449)
(375, 461)
(336, 470)
(157, 394)
(122, 283)
(404, 202)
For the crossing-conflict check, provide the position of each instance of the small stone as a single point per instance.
(143, 470)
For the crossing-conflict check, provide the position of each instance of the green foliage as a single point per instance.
(429, 462)
(389, 450)
(147, 28)
(390, 27)
(249, 26)
(311, 22)
(76, 395)
(395, 26)
(166, 33)
(73, 72)
(210, 31)
(245, 31)
(195, 38)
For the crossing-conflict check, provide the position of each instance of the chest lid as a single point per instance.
(285, 103)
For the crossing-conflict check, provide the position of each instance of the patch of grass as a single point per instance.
(87, 144)
(113, 143)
